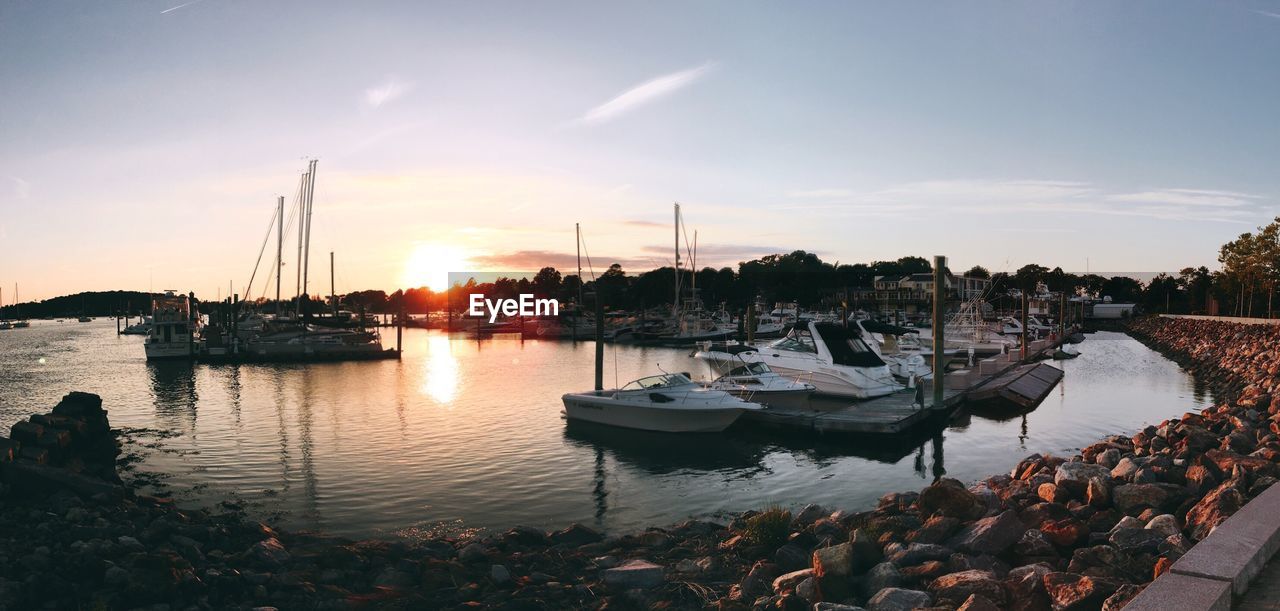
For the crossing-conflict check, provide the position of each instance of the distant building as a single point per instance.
(913, 293)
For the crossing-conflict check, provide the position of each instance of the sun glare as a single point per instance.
(429, 265)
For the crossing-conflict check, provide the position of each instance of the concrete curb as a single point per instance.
(1243, 321)
(1227, 560)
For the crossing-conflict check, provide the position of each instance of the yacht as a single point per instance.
(901, 349)
(141, 327)
(174, 331)
(756, 382)
(670, 403)
(835, 359)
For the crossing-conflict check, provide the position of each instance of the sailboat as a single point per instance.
(692, 323)
(20, 323)
(4, 324)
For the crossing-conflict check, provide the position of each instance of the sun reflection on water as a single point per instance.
(440, 373)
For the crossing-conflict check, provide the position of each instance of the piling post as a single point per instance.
(751, 323)
(117, 322)
(939, 328)
(1062, 316)
(599, 342)
(1022, 354)
(400, 330)
(235, 324)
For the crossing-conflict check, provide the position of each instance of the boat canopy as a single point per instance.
(846, 346)
(879, 327)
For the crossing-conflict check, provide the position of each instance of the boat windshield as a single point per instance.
(750, 369)
(796, 340)
(659, 381)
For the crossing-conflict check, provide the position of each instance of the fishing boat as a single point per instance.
(835, 359)
(174, 331)
(756, 382)
(669, 403)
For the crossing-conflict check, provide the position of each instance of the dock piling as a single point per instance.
(599, 342)
(939, 329)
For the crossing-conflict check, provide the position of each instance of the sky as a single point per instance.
(143, 144)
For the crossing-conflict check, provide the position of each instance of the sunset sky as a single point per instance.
(143, 143)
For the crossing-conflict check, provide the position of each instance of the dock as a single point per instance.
(1005, 377)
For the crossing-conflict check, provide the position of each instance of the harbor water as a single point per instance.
(466, 434)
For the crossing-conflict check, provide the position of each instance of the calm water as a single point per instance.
(464, 434)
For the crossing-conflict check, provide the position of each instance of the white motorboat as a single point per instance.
(670, 403)
(902, 350)
(174, 331)
(141, 327)
(1013, 326)
(833, 358)
(756, 382)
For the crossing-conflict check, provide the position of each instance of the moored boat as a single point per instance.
(669, 402)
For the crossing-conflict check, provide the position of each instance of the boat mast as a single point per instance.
(302, 202)
(333, 290)
(675, 302)
(311, 189)
(577, 230)
(279, 248)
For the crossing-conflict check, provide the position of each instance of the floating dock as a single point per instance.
(1004, 377)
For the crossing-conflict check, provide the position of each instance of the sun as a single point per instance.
(429, 265)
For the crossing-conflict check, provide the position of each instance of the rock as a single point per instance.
(916, 553)
(575, 535)
(926, 571)
(1133, 498)
(809, 514)
(130, 544)
(897, 599)
(991, 535)
(115, 576)
(1213, 510)
(270, 553)
(1067, 532)
(634, 574)
(935, 530)
(1136, 540)
(1109, 458)
(1074, 476)
(792, 557)
(977, 602)
(499, 574)
(833, 566)
(981, 562)
(829, 606)
(1039, 513)
(472, 553)
(525, 535)
(957, 587)
(949, 497)
(759, 579)
(789, 581)
(28, 477)
(881, 576)
(1034, 543)
(1098, 492)
(1165, 524)
(1069, 591)
(808, 590)
(1025, 587)
(1050, 493)
(1125, 469)
(1123, 595)
(866, 552)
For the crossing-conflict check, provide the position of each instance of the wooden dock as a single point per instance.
(1024, 386)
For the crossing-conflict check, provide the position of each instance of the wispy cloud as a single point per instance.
(1268, 14)
(388, 91)
(642, 223)
(983, 196)
(21, 188)
(537, 259)
(183, 5)
(645, 93)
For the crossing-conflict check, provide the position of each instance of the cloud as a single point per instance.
(387, 92)
(1268, 14)
(21, 188)
(821, 193)
(987, 196)
(645, 93)
(640, 223)
(565, 262)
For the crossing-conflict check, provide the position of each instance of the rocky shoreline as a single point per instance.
(1059, 532)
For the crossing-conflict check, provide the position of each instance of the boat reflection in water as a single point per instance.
(173, 389)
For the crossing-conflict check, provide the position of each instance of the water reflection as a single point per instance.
(664, 453)
(173, 391)
(440, 374)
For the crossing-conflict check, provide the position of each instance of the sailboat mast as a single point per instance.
(577, 231)
(302, 203)
(311, 190)
(279, 247)
(333, 287)
(675, 304)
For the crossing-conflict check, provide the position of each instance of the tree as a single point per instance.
(978, 271)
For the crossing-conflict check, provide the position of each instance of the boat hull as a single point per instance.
(833, 385)
(602, 409)
(781, 399)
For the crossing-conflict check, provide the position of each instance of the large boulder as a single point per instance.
(950, 498)
(881, 576)
(898, 599)
(1131, 499)
(1074, 476)
(1069, 591)
(915, 553)
(957, 587)
(991, 535)
(1213, 510)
